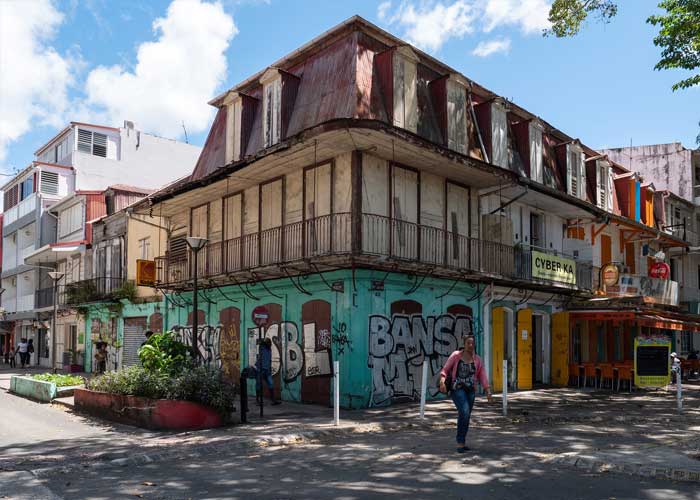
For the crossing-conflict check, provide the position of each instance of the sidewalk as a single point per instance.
(639, 434)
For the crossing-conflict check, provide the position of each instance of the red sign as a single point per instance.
(260, 316)
(660, 270)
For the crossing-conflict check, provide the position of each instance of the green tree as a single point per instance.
(678, 38)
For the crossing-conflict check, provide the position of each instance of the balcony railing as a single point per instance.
(44, 297)
(91, 290)
(24, 207)
(380, 240)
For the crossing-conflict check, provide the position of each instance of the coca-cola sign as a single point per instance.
(660, 270)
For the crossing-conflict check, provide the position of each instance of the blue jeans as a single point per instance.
(266, 377)
(464, 402)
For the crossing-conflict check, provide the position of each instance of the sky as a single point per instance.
(158, 62)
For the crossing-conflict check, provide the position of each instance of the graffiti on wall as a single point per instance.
(399, 344)
(294, 354)
(208, 342)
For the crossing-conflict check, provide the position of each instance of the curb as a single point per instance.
(646, 471)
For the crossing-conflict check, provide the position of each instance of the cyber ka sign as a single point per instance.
(553, 268)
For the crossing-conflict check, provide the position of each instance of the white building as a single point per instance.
(84, 158)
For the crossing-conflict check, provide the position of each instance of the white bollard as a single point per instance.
(505, 387)
(336, 393)
(679, 391)
(423, 389)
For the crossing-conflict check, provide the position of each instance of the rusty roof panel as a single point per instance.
(214, 151)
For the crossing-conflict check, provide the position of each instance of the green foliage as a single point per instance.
(679, 38)
(163, 353)
(200, 385)
(567, 16)
(82, 292)
(127, 291)
(59, 379)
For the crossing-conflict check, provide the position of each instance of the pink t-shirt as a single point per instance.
(453, 362)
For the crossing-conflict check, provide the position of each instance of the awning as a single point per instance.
(603, 315)
(54, 252)
(642, 318)
(655, 321)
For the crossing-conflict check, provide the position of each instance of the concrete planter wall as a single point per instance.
(155, 414)
(33, 389)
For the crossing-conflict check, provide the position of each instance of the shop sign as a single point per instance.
(145, 272)
(652, 365)
(610, 274)
(553, 268)
(660, 270)
(260, 316)
(652, 290)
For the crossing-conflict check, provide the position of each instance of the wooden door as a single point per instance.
(230, 344)
(525, 349)
(605, 249)
(318, 365)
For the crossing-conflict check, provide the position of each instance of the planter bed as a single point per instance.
(154, 414)
(34, 389)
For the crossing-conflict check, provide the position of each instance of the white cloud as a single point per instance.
(486, 48)
(174, 75)
(529, 15)
(34, 78)
(428, 24)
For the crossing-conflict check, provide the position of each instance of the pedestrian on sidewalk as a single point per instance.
(464, 369)
(264, 367)
(22, 349)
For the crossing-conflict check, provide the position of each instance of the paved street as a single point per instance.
(554, 444)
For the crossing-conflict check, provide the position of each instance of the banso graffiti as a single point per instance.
(398, 346)
(208, 342)
(310, 354)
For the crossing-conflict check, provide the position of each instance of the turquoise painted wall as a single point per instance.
(380, 336)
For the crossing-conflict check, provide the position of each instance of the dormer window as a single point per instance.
(456, 116)
(535, 129)
(604, 182)
(499, 134)
(272, 107)
(575, 171)
(233, 103)
(404, 66)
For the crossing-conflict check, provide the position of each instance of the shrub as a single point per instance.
(199, 385)
(164, 353)
(58, 379)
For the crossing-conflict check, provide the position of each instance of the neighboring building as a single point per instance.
(83, 157)
(366, 203)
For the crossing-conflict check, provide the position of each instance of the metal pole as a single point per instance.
(244, 398)
(195, 313)
(336, 392)
(505, 387)
(679, 391)
(53, 327)
(423, 389)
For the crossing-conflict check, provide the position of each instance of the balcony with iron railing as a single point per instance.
(92, 290)
(327, 242)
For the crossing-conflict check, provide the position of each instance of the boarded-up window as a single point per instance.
(405, 94)
(499, 135)
(458, 225)
(233, 130)
(200, 221)
(232, 216)
(317, 196)
(271, 222)
(432, 217)
(404, 212)
(456, 117)
(215, 222)
(272, 113)
(535, 139)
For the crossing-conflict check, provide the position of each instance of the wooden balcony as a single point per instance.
(326, 243)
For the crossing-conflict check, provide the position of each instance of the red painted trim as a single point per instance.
(95, 126)
(67, 243)
(53, 165)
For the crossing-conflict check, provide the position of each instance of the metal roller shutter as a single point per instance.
(134, 329)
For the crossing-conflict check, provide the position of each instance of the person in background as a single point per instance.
(264, 367)
(693, 355)
(146, 334)
(30, 351)
(101, 357)
(22, 350)
(465, 369)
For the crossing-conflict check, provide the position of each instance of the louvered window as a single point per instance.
(604, 185)
(177, 248)
(49, 182)
(575, 171)
(92, 143)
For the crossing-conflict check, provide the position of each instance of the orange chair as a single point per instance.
(625, 372)
(575, 371)
(590, 370)
(606, 373)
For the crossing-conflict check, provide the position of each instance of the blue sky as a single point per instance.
(106, 61)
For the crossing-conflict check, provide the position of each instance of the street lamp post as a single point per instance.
(56, 276)
(195, 244)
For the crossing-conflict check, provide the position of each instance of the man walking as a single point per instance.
(23, 350)
(264, 367)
